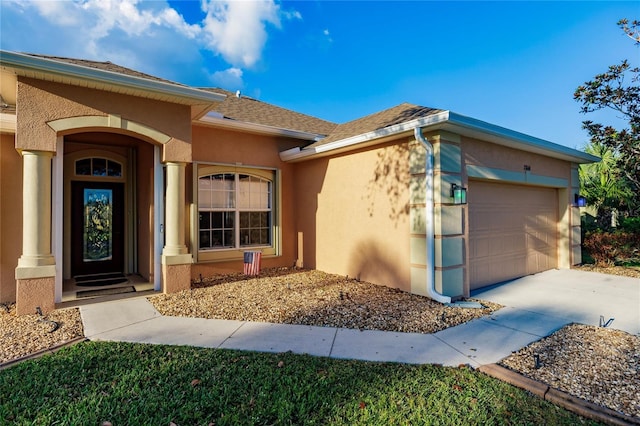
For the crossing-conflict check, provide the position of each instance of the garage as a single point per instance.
(512, 231)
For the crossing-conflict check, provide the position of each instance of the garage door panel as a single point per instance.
(512, 231)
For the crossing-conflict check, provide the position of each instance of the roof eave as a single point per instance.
(449, 121)
(49, 69)
(212, 120)
(472, 127)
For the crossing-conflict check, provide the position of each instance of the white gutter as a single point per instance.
(215, 119)
(28, 63)
(428, 209)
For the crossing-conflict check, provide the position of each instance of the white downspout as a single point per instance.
(428, 210)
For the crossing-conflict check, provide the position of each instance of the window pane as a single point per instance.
(244, 237)
(228, 238)
(244, 220)
(244, 191)
(230, 182)
(268, 201)
(229, 219)
(222, 191)
(216, 239)
(255, 219)
(205, 239)
(83, 167)
(99, 167)
(205, 220)
(114, 169)
(255, 228)
(216, 220)
(204, 192)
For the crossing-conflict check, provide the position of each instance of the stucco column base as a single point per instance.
(34, 292)
(176, 276)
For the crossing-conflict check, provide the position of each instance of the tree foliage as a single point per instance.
(604, 185)
(617, 90)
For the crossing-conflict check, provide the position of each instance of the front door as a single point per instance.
(97, 228)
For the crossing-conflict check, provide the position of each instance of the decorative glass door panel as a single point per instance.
(97, 226)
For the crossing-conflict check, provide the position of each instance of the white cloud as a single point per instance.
(139, 34)
(230, 79)
(237, 29)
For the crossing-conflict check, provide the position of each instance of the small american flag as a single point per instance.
(252, 262)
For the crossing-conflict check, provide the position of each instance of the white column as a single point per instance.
(174, 215)
(36, 210)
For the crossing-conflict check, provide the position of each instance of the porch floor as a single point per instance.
(134, 284)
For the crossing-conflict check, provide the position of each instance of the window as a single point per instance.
(98, 167)
(235, 210)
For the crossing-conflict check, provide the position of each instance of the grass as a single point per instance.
(129, 384)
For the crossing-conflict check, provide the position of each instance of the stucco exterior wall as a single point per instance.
(41, 102)
(10, 216)
(212, 145)
(486, 154)
(353, 214)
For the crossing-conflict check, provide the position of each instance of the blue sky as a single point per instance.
(515, 64)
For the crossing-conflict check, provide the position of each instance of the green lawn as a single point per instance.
(135, 384)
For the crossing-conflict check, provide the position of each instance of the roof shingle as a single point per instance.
(250, 110)
(106, 66)
(247, 109)
(379, 120)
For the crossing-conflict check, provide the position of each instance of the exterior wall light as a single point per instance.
(580, 201)
(459, 194)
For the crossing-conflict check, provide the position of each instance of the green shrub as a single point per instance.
(610, 248)
(630, 224)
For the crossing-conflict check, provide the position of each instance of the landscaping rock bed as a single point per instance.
(633, 272)
(314, 298)
(26, 334)
(600, 365)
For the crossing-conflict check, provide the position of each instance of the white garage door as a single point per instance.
(512, 231)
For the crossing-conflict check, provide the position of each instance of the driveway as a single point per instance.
(573, 295)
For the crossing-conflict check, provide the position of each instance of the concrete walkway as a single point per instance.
(535, 307)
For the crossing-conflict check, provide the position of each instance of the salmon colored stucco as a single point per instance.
(348, 199)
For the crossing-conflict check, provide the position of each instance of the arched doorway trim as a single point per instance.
(65, 126)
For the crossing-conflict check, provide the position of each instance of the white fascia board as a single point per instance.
(362, 140)
(511, 138)
(8, 123)
(454, 123)
(22, 62)
(215, 119)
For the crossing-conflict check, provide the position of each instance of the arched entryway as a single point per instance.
(89, 152)
(108, 200)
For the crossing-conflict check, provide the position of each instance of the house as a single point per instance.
(106, 172)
